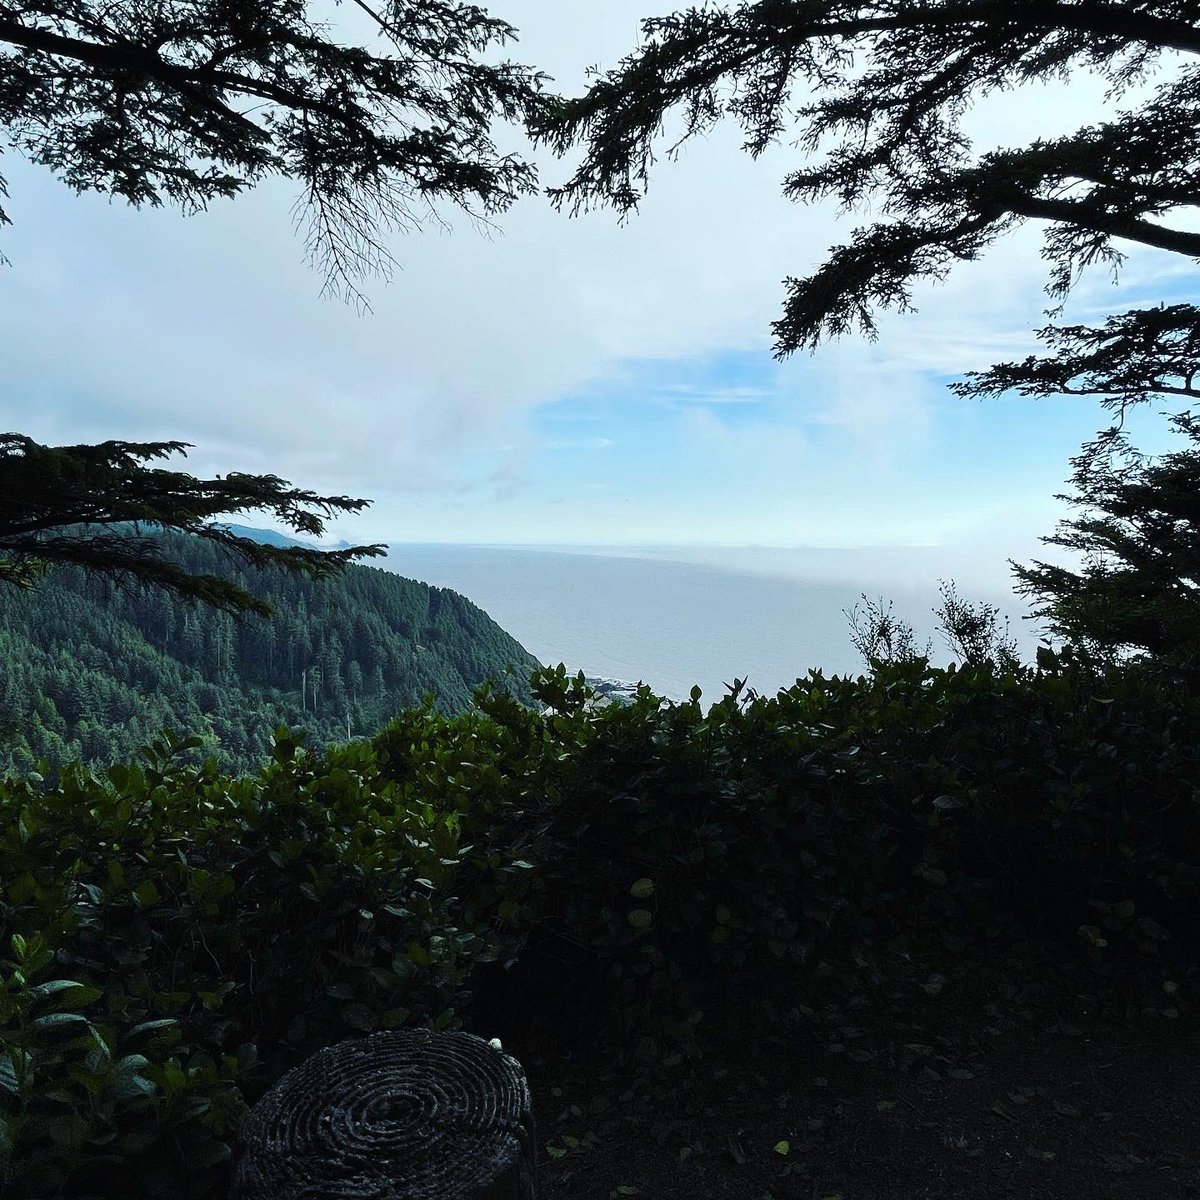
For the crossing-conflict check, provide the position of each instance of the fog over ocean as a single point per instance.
(766, 616)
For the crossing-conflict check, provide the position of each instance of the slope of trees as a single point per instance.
(377, 122)
(94, 672)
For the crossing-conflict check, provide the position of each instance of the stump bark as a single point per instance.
(409, 1114)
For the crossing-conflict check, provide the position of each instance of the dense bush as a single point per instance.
(175, 938)
(179, 938)
(681, 853)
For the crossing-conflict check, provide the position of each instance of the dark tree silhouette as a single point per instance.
(1129, 359)
(1139, 586)
(189, 100)
(874, 91)
(74, 504)
(877, 90)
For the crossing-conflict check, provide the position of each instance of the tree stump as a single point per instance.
(408, 1114)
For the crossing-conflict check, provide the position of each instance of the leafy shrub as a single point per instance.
(90, 1104)
(679, 852)
(240, 924)
(177, 938)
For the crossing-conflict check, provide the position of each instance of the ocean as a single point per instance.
(765, 617)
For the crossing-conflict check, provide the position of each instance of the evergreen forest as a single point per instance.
(93, 670)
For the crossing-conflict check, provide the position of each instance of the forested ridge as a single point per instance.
(93, 671)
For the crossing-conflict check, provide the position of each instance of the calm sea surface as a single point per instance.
(671, 624)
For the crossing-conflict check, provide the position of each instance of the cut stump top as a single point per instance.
(408, 1114)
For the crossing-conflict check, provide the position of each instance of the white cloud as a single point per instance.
(687, 393)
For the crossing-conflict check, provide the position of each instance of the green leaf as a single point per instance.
(51, 986)
(359, 1016)
(642, 888)
(150, 1027)
(68, 1130)
(131, 1086)
(782, 1147)
(641, 918)
(59, 1019)
(131, 1064)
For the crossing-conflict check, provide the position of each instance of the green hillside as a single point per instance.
(93, 671)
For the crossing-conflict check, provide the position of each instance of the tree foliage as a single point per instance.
(661, 879)
(881, 637)
(70, 504)
(187, 101)
(875, 92)
(878, 90)
(1139, 534)
(1127, 360)
(972, 632)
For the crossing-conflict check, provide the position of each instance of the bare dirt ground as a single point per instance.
(959, 1083)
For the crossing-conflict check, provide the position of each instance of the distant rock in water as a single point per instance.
(612, 691)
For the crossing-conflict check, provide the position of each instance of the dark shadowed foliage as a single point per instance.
(87, 505)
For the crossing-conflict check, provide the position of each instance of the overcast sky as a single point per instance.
(566, 381)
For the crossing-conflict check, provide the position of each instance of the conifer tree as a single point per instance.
(188, 101)
(1138, 589)
(873, 93)
(98, 507)
(375, 112)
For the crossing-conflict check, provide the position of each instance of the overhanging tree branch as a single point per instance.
(146, 102)
(84, 505)
(887, 84)
(1087, 216)
(1131, 359)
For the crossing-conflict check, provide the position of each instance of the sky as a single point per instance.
(566, 382)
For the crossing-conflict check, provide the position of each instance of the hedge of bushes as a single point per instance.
(173, 939)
